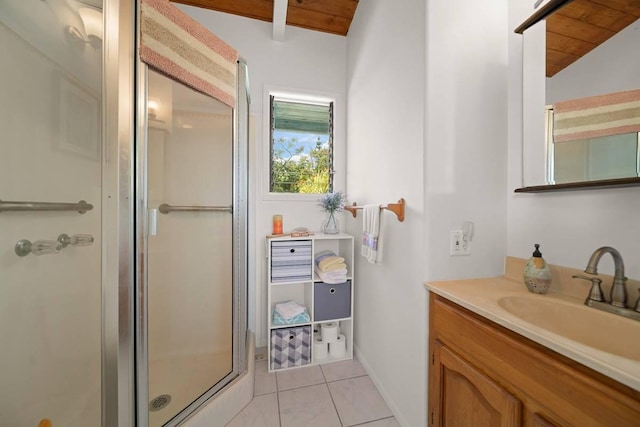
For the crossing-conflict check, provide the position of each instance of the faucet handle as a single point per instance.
(595, 294)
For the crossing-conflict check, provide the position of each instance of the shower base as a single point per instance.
(179, 380)
(231, 400)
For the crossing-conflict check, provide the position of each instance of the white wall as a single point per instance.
(306, 61)
(426, 121)
(385, 162)
(466, 135)
(569, 225)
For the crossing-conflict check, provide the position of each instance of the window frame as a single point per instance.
(301, 95)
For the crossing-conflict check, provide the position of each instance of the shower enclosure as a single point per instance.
(189, 245)
(122, 225)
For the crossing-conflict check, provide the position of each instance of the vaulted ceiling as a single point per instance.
(329, 16)
(574, 27)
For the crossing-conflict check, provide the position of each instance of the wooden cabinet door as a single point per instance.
(460, 395)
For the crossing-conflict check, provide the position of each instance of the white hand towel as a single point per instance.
(371, 238)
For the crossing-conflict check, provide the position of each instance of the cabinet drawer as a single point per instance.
(291, 261)
(331, 301)
(290, 347)
(291, 249)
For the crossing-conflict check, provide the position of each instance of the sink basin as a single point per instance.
(586, 325)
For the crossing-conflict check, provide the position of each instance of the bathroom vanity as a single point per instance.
(496, 358)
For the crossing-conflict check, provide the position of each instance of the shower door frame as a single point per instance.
(239, 248)
(118, 352)
(122, 386)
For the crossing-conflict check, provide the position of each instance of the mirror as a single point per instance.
(585, 48)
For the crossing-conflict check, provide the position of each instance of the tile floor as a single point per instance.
(338, 394)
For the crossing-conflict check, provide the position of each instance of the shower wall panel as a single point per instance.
(50, 151)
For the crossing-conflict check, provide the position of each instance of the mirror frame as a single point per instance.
(585, 185)
(541, 14)
(544, 11)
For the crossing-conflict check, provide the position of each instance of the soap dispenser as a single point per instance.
(537, 274)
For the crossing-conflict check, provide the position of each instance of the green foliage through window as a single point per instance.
(301, 147)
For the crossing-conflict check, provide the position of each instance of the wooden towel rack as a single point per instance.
(396, 208)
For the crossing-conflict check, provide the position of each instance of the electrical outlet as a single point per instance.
(455, 242)
(466, 246)
(457, 245)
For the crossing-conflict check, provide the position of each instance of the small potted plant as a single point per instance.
(332, 203)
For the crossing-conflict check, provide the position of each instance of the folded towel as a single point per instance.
(335, 273)
(330, 261)
(371, 239)
(322, 255)
(333, 280)
(300, 318)
(333, 267)
(289, 309)
(332, 277)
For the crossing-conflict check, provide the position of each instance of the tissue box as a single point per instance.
(290, 347)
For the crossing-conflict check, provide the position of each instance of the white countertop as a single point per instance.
(482, 295)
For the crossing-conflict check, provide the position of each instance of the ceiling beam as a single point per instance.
(279, 19)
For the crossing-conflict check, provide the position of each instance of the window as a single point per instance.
(301, 139)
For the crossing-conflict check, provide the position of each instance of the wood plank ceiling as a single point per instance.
(573, 29)
(329, 16)
(582, 25)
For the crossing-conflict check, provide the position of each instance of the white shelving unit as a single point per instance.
(327, 300)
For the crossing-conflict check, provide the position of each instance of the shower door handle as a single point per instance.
(153, 222)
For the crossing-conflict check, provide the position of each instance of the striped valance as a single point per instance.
(597, 116)
(180, 47)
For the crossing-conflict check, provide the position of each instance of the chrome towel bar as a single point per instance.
(166, 208)
(81, 207)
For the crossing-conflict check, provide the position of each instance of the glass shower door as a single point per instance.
(189, 245)
(50, 241)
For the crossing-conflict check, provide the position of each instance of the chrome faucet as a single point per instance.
(617, 303)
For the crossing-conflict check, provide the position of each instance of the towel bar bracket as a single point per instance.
(396, 208)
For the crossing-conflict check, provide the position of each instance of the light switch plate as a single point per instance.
(457, 245)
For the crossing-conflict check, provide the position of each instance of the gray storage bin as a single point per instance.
(331, 301)
(291, 261)
(290, 347)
